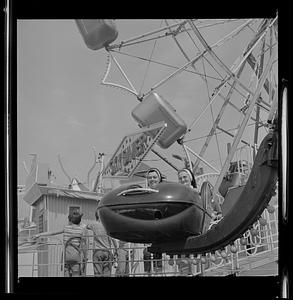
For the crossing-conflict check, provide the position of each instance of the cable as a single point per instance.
(212, 114)
(166, 65)
(204, 136)
(149, 61)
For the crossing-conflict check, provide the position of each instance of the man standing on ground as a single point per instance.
(104, 248)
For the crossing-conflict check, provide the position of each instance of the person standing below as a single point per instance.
(122, 259)
(75, 244)
(105, 248)
(75, 239)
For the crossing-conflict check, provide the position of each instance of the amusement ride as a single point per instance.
(205, 96)
(167, 217)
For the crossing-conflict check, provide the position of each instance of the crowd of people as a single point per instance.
(108, 252)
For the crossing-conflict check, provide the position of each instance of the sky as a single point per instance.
(63, 109)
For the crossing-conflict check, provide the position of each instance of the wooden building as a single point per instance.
(51, 206)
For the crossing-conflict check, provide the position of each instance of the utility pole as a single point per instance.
(99, 180)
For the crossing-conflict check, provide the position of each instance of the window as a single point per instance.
(71, 209)
(42, 221)
(32, 216)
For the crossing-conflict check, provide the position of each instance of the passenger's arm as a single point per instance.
(48, 233)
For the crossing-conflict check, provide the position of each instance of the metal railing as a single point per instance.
(41, 259)
(257, 247)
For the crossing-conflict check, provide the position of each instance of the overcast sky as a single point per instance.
(63, 109)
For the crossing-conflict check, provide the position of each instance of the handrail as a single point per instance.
(261, 247)
(138, 190)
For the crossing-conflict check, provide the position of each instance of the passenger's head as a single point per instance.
(154, 177)
(75, 217)
(186, 177)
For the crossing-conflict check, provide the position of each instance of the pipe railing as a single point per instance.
(47, 259)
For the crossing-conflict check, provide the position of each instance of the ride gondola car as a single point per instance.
(133, 213)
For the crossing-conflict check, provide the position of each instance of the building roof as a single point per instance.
(78, 186)
(36, 191)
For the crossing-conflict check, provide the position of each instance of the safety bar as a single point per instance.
(136, 191)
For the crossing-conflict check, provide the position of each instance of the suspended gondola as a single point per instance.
(173, 217)
(132, 213)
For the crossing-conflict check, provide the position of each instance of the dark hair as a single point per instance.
(75, 217)
(193, 182)
(157, 171)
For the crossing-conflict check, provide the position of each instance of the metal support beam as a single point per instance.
(226, 101)
(218, 60)
(203, 160)
(164, 159)
(230, 134)
(217, 121)
(190, 62)
(113, 46)
(257, 116)
(242, 127)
